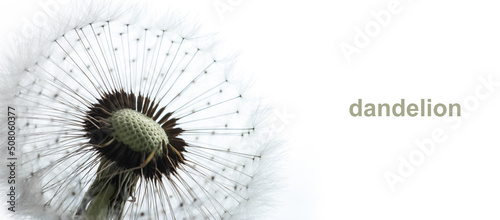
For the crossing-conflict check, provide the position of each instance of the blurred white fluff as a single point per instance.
(41, 81)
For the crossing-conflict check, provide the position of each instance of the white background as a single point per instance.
(335, 163)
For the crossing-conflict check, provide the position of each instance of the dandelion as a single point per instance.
(122, 116)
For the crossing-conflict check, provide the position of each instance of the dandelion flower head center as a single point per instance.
(130, 131)
(136, 130)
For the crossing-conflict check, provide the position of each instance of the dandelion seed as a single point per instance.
(125, 120)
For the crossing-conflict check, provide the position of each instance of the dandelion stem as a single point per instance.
(107, 195)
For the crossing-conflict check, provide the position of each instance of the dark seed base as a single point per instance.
(98, 129)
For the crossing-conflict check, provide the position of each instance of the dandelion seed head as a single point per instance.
(144, 112)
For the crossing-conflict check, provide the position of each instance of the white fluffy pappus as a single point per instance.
(100, 57)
